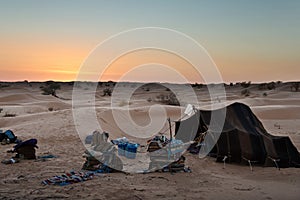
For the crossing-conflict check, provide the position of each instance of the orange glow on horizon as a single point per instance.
(138, 59)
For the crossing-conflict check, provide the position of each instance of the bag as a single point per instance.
(8, 135)
(26, 149)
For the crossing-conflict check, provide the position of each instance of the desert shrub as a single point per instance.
(50, 109)
(265, 94)
(107, 91)
(161, 97)
(246, 84)
(245, 92)
(1, 109)
(194, 85)
(262, 86)
(149, 99)
(197, 85)
(9, 115)
(168, 99)
(173, 100)
(71, 83)
(3, 85)
(231, 84)
(50, 88)
(110, 83)
(295, 86)
(271, 86)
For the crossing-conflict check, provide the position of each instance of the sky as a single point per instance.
(254, 41)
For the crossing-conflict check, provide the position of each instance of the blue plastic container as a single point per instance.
(121, 149)
(131, 150)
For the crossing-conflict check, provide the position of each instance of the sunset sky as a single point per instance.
(248, 40)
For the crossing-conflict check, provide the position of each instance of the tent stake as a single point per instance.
(275, 161)
(224, 160)
(249, 161)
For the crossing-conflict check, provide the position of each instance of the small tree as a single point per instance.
(50, 88)
(246, 84)
(271, 86)
(173, 100)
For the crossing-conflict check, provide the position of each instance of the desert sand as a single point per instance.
(50, 121)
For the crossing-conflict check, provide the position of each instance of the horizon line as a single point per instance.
(141, 82)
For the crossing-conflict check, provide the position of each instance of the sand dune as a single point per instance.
(56, 133)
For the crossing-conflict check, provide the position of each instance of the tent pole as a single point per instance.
(170, 128)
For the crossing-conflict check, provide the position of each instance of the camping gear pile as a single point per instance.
(23, 150)
(243, 138)
(157, 143)
(166, 155)
(102, 155)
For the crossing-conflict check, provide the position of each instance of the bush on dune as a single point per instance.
(245, 92)
(295, 86)
(107, 91)
(246, 84)
(9, 115)
(169, 99)
(50, 88)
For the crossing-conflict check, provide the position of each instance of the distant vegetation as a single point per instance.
(50, 88)
(169, 99)
(246, 84)
(295, 86)
(197, 85)
(3, 85)
(107, 91)
(265, 94)
(9, 115)
(245, 92)
(265, 86)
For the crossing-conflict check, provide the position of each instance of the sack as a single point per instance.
(26, 152)
(26, 149)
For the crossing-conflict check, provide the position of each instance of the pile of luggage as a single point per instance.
(166, 155)
(102, 155)
(157, 143)
(23, 150)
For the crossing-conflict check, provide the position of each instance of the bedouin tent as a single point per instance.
(242, 138)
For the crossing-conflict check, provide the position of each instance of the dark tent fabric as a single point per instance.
(243, 138)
